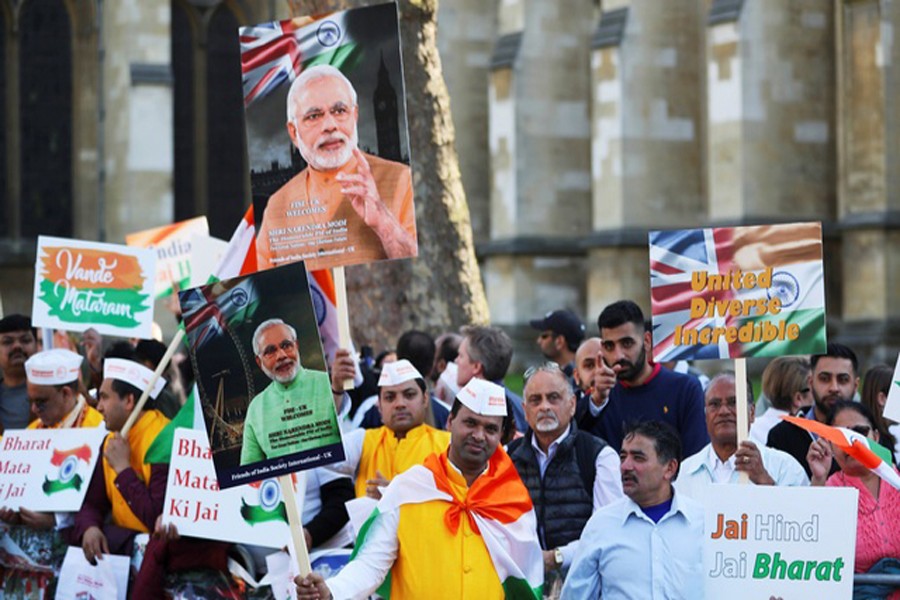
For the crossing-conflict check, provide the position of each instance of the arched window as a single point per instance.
(226, 163)
(45, 117)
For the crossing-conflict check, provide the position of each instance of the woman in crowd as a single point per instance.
(875, 389)
(785, 383)
(878, 512)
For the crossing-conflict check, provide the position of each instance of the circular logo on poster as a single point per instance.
(68, 469)
(785, 287)
(239, 297)
(318, 300)
(269, 494)
(328, 34)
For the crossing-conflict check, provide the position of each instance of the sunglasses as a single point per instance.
(862, 430)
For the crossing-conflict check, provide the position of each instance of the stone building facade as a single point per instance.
(608, 119)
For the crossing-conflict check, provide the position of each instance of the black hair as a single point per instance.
(418, 348)
(150, 352)
(123, 389)
(835, 350)
(121, 349)
(17, 322)
(619, 313)
(858, 407)
(666, 441)
(419, 382)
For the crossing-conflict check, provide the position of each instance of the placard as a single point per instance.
(246, 514)
(733, 292)
(267, 404)
(892, 405)
(48, 470)
(79, 285)
(787, 542)
(172, 244)
(327, 139)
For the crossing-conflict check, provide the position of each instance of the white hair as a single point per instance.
(266, 325)
(311, 74)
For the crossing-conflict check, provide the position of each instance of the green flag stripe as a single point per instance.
(812, 334)
(345, 58)
(515, 588)
(52, 487)
(120, 306)
(880, 451)
(257, 514)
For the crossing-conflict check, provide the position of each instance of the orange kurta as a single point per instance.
(383, 452)
(433, 562)
(310, 219)
(141, 435)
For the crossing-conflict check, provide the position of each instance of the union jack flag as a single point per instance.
(674, 255)
(276, 52)
(207, 311)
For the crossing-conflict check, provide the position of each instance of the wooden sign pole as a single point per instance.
(173, 346)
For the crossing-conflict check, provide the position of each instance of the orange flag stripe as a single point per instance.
(86, 268)
(857, 450)
(81, 452)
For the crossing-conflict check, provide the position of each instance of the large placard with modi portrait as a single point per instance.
(264, 389)
(327, 139)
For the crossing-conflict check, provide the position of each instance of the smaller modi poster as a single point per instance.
(79, 285)
(172, 244)
(780, 542)
(327, 139)
(264, 388)
(736, 292)
(48, 470)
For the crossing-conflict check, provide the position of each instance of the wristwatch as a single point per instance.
(558, 557)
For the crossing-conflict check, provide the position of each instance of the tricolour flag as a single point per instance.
(868, 452)
(190, 416)
(499, 504)
(793, 252)
(276, 52)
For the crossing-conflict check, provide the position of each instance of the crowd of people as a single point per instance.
(589, 484)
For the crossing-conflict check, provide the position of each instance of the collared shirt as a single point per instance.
(607, 481)
(625, 555)
(704, 469)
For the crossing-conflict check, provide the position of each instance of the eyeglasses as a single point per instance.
(270, 350)
(715, 404)
(862, 430)
(547, 366)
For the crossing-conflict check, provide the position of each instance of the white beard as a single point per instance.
(326, 161)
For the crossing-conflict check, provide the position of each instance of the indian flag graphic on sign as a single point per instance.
(67, 461)
(737, 292)
(269, 505)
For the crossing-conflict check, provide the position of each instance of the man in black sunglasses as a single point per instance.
(834, 377)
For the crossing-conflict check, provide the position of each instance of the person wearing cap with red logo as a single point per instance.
(53, 377)
(459, 526)
(561, 332)
(123, 487)
(375, 456)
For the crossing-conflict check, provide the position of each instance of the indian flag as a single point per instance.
(190, 416)
(868, 452)
(509, 532)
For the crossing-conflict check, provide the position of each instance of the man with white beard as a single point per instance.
(347, 206)
(569, 473)
(295, 396)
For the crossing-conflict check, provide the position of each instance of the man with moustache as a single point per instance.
(295, 396)
(722, 459)
(569, 473)
(459, 526)
(650, 543)
(346, 207)
(629, 388)
(18, 341)
(834, 377)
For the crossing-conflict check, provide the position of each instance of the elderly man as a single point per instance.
(630, 388)
(18, 341)
(346, 207)
(125, 495)
(485, 353)
(375, 456)
(722, 458)
(648, 545)
(835, 376)
(459, 526)
(54, 398)
(569, 473)
(295, 396)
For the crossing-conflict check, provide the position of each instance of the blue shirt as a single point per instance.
(626, 556)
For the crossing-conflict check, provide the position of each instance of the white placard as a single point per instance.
(206, 254)
(892, 407)
(249, 514)
(48, 470)
(788, 542)
(78, 285)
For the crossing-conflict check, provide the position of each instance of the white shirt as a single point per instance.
(626, 556)
(759, 431)
(353, 446)
(697, 472)
(607, 481)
